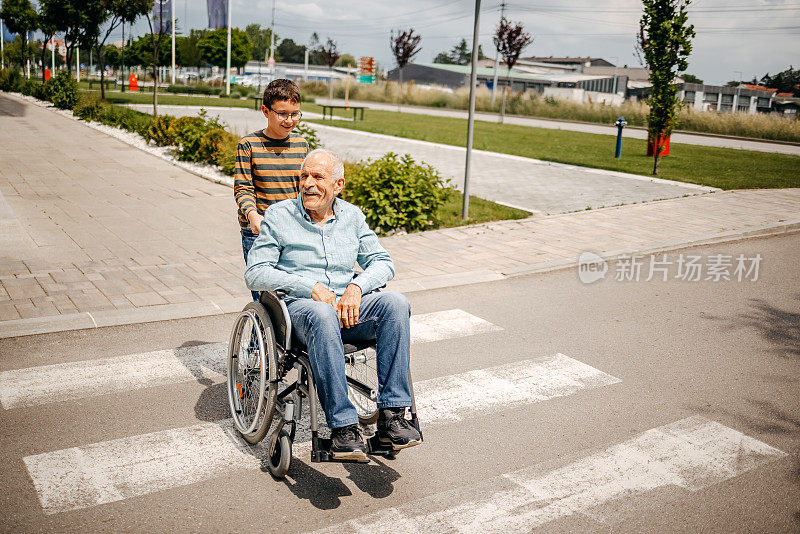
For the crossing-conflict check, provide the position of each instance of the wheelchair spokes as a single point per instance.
(362, 378)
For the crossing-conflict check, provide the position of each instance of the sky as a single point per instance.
(736, 39)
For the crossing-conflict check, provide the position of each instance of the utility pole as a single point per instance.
(2, 47)
(78, 61)
(497, 55)
(272, 38)
(473, 79)
(172, 14)
(228, 61)
(52, 56)
(122, 59)
(738, 91)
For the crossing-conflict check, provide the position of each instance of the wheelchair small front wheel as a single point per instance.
(281, 457)
(252, 362)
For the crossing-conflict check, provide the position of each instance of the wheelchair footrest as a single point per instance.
(323, 453)
(374, 446)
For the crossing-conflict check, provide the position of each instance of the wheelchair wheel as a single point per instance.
(252, 361)
(361, 368)
(279, 460)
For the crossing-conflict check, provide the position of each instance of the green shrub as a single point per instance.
(199, 89)
(30, 87)
(127, 119)
(42, 91)
(396, 193)
(187, 131)
(89, 107)
(10, 80)
(226, 155)
(160, 131)
(308, 133)
(63, 90)
(212, 142)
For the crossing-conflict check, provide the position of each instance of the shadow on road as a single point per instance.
(781, 328)
(11, 108)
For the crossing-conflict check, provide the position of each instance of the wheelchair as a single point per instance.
(269, 376)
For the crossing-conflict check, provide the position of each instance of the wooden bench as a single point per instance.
(355, 109)
(257, 102)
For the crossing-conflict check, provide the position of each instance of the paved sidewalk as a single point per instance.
(94, 232)
(537, 186)
(552, 124)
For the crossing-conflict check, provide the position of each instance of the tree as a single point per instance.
(665, 42)
(20, 18)
(510, 39)
(81, 24)
(260, 39)
(787, 81)
(691, 78)
(315, 55)
(213, 47)
(140, 52)
(159, 27)
(443, 58)
(117, 12)
(290, 52)
(404, 45)
(188, 50)
(330, 53)
(51, 20)
(346, 60)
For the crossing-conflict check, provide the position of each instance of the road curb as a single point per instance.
(167, 312)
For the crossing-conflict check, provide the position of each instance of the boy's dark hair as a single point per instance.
(281, 89)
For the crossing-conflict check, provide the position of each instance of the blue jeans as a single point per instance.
(248, 237)
(384, 317)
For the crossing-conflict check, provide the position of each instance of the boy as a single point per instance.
(268, 161)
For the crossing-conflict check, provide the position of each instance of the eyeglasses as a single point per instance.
(286, 116)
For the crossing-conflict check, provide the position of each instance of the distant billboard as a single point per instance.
(217, 13)
(162, 16)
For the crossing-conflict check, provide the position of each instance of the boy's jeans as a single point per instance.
(383, 317)
(248, 237)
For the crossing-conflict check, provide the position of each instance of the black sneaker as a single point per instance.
(395, 430)
(347, 443)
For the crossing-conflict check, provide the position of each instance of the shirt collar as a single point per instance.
(299, 201)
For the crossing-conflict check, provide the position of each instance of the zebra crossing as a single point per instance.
(690, 454)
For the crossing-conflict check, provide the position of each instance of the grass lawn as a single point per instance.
(168, 99)
(716, 167)
(480, 211)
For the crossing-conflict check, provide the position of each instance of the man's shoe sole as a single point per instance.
(349, 455)
(398, 446)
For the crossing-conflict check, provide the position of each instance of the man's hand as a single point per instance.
(321, 293)
(255, 221)
(347, 308)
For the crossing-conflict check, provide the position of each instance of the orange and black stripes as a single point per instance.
(267, 171)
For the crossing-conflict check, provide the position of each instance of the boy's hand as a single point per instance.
(255, 221)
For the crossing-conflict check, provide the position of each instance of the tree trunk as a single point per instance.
(503, 105)
(656, 153)
(44, 53)
(400, 92)
(101, 59)
(330, 86)
(155, 81)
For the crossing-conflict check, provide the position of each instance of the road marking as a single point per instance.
(693, 453)
(110, 471)
(91, 378)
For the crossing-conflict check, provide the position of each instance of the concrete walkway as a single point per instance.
(96, 233)
(635, 133)
(537, 186)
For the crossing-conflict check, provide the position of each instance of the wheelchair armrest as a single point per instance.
(281, 323)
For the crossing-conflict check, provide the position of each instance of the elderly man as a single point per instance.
(308, 248)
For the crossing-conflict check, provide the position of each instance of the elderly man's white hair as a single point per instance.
(337, 167)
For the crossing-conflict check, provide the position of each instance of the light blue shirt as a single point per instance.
(292, 253)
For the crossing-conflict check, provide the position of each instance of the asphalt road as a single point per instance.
(561, 406)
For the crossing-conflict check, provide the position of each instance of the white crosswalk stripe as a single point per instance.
(76, 380)
(692, 454)
(80, 477)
